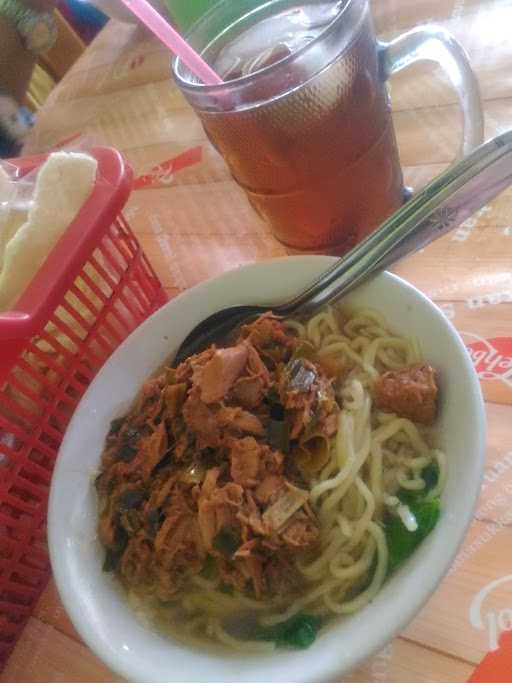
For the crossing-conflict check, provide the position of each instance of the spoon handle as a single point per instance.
(442, 205)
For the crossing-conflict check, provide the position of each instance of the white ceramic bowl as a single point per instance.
(96, 607)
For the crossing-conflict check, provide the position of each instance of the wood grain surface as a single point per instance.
(195, 223)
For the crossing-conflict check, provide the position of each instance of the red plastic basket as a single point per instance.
(94, 288)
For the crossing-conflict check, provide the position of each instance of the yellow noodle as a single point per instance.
(346, 486)
(296, 326)
(415, 484)
(255, 646)
(357, 568)
(370, 352)
(372, 455)
(443, 473)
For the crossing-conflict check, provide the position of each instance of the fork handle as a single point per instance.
(443, 204)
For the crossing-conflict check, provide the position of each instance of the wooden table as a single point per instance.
(194, 223)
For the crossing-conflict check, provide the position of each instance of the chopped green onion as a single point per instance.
(154, 519)
(116, 425)
(278, 435)
(304, 350)
(131, 521)
(227, 541)
(126, 453)
(430, 475)
(114, 554)
(299, 631)
(164, 462)
(130, 500)
(277, 411)
(209, 457)
(131, 434)
(111, 560)
(208, 569)
(401, 542)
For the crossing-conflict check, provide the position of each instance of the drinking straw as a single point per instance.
(172, 39)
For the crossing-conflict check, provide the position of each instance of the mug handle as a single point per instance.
(435, 44)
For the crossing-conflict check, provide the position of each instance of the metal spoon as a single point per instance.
(442, 205)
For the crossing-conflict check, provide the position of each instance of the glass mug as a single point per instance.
(303, 118)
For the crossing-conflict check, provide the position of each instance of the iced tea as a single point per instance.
(319, 160)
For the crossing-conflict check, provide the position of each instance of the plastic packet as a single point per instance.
(35, 211)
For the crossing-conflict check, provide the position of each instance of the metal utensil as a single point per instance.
(446, 202)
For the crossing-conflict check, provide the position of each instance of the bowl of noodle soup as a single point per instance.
(336, 532)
